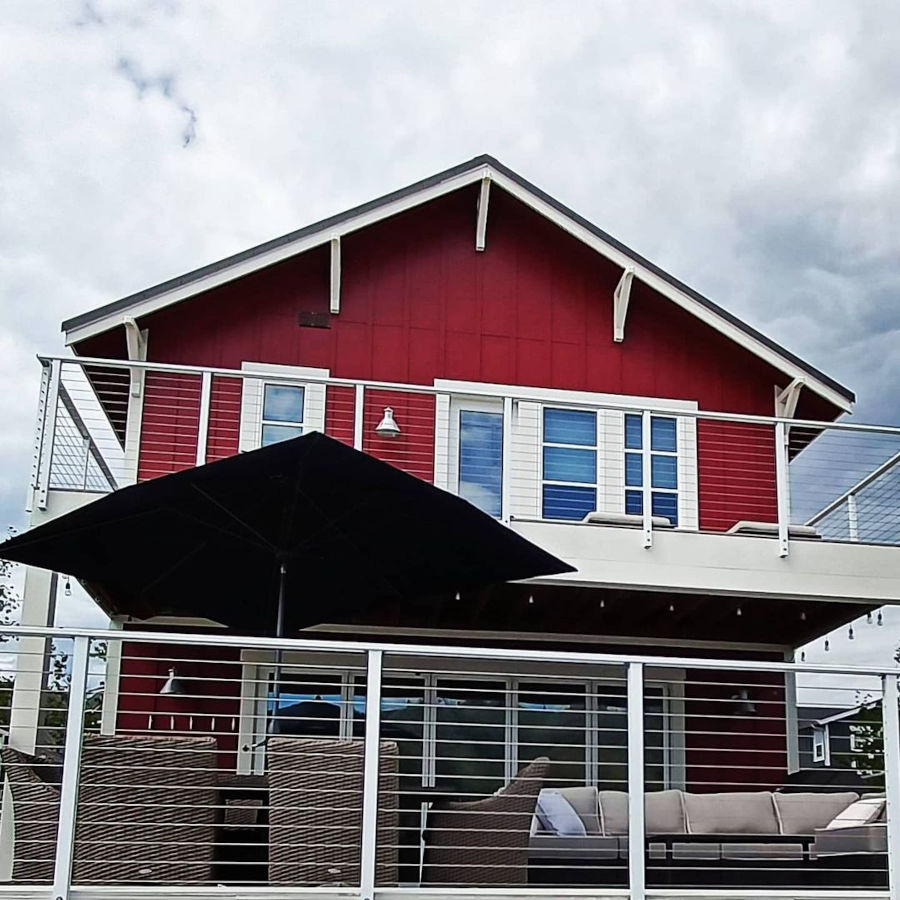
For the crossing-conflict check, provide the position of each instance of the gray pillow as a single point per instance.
(664, 812)
(614, 812)
(552, 806)
(735, 812)
(585, 802)
(804, 813)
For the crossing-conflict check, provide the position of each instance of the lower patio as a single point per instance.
(208, 764)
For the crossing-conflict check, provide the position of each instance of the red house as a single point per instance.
(562, 383)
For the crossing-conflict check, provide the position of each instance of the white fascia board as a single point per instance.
(661, 286)
(278, 254)
(560, 395)
(720, 564)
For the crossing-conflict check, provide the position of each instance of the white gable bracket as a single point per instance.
(484, 197)
(334, 303)
(136, 343)
(786, 400)
(621, 296)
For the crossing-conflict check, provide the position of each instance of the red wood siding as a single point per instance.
(169, 424)
(340, 406)
(736, 474)
(212, 676)
(223, 436)
(413, 449)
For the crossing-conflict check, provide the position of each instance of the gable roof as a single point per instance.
(240, 264)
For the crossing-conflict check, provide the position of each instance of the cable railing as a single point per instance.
(520, 454)
(166, 762)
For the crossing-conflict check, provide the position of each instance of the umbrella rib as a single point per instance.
(260, 537)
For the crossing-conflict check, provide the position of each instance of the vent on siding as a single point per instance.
(314, 319)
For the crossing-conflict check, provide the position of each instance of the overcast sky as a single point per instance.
(749, 148)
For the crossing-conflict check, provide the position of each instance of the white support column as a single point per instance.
(68, 792)
(647, 477)
(370, 774)
(38, 608)
(621, 299)
(110, 709)
(782, 487)
(136, 343)
(506, 455)
(636, 836)
(203, 425)
(852, 517)
(359, 408)
(891, 720)
(484, 197)
(43, 405)
(792, 735)
(335, 275)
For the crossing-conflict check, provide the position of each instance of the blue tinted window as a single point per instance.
(272, 434)
(634, 503)
(567, 464)
(666, 505)
(634, 469)
(481, 459)
(282, 403)
(570, 426)
(633, 432)
(664, 471)
(662, 434)
(564, 502)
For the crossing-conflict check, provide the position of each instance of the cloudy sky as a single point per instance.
(749, 148)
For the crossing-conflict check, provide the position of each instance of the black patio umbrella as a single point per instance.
(291, 535)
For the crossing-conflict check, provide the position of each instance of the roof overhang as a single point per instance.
(145, 302)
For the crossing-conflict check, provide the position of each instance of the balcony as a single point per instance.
(726, 504)
(213, 765)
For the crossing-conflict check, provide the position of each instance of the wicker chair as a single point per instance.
(315, 811)
(484, 842)
(147, 809)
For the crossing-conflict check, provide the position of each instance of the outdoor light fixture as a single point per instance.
(743, 706)
(174, 686)
(387, 427)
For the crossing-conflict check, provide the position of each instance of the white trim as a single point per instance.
(410, 201)
(484, 196)
(110, 704)
(203, 426)
(786, 400)
(335, 276)
(252, 398)
(621, 298)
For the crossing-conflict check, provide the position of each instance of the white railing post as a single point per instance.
(203, 425)
(782, 488)
(636, 836)
(370, 774)
(359, 408)
(68, 793)
(891, 740)
(647, 478)
(43, 398)
(852, 517)
(505, 460)
(48, 435)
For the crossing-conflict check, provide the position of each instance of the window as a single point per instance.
(282, 413)
(663, 452)
(569, 463)
(820, 745)
(481, 459)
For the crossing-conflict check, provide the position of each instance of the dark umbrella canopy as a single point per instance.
(350, 530)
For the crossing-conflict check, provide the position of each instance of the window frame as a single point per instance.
(299, 426)
(642, 452)
(458, 405)
(597, 449)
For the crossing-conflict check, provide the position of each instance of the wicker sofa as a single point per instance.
(147, 809)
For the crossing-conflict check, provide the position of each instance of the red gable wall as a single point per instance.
(419, 303)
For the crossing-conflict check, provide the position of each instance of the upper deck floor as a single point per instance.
(636, 492)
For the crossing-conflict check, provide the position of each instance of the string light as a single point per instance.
(68, 587)
(740, 612)
(457, 595)
(869, 617)
(850, 634)
(602, 604)
(671, 607)
(802, 656)
(827, 645)
(802, 615)
(880, 618)
(530, 598)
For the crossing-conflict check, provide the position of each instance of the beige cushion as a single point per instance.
(804, 813)
(664, 812)
(751, 812)
(762, 851)
(585, 802)
(614, 812)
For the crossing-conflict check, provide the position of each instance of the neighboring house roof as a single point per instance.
(144, 302)
(815, 718)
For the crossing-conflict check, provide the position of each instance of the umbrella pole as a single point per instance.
(279, 632)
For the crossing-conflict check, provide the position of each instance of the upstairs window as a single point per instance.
(481, 459)
(663, 452)
(569, 489)
(282, 412)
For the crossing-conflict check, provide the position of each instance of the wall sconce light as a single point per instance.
(743, 706)
(174, 686)
(387, 427)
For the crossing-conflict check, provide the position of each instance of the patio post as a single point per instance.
(891, 720)
(636, 837)
(68, 794)
(374, 660)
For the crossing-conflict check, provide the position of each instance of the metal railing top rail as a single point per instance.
(472, 391)
(497, 653)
